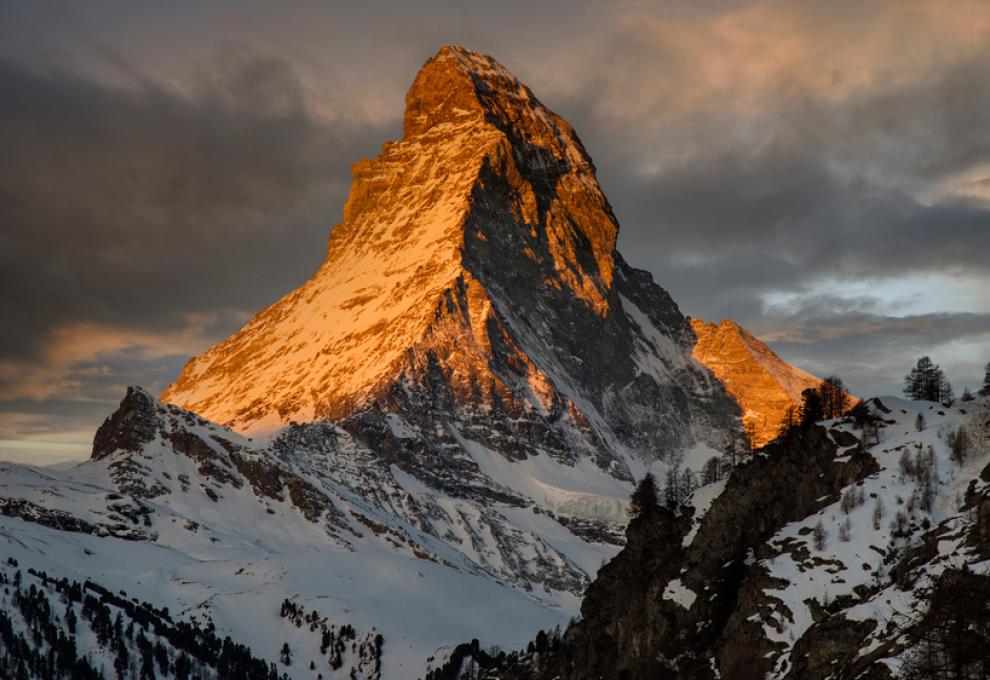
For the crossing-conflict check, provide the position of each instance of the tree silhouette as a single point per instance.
(927, 382)
(834, 398)
(811, 407)
(644, 498)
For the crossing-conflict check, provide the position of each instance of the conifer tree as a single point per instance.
(644, 499)
(927, 382)
(811, 407)
(711, 471)
(833, 396)
(672, 487)
(689, 482)
(790, 420)
(985, 390)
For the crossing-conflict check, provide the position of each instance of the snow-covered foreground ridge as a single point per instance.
(856, 549)
(873, 556)
(221, 529)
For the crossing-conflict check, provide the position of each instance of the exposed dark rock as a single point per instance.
(629, 629)
(64, 521)
(834, 639)
(132, 425)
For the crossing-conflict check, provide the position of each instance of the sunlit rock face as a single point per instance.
(763, 384)
(474, 281)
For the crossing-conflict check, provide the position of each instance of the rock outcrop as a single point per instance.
(636, 619)
(825, 556)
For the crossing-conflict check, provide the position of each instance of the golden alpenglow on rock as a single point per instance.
(475, 275)
(763, 384)
(399, 256)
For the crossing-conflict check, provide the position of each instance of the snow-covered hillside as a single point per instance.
(859, 548)
(214, 526)
(847, 556)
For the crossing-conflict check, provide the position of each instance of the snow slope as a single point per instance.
(859, 566)
(216, 526)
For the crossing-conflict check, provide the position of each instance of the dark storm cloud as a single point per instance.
(150, 210)
(830, 190)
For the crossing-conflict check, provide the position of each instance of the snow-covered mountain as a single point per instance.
(764, 385)
(222, 529)
(432, 440)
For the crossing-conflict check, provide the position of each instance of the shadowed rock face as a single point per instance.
(790, 481)
(474, 282)
(128, 428)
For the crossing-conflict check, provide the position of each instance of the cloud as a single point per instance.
(146, 205)
(766, 174)
(73, 356)
(141, 224)
(870, 348)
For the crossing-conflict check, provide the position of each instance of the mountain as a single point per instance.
(763, 384)
(434, 437)
(222, 530)
(857, 549)
(474, 286)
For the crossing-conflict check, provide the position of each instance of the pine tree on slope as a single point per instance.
(834, 398)
(644, 499)
(811, 408)
(927, 382)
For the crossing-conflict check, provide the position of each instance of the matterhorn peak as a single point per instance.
(456, 86)
(459, 86)
(475, 275)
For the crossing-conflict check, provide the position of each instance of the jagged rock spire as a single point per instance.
(474, 275)
(469, 125)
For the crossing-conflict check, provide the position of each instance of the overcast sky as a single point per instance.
(818, 172)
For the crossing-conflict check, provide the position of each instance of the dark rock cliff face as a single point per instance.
(630, 629)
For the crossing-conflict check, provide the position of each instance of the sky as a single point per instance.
(818, 172)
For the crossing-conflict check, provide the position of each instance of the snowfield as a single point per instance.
(390, 555)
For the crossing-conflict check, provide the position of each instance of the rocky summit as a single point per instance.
(474, 285)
